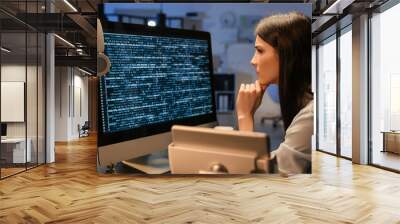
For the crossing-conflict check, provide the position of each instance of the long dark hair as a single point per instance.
(290, 35)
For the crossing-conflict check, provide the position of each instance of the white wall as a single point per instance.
(221, 35)
(33, 126)
(71, 93)
(79, 117)
(12, 73)
(61, 103)
(213, 14)
(12, 101)
(16, 73)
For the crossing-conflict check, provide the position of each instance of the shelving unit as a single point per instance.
(224, 92)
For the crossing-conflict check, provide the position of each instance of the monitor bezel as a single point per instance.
(158, 128)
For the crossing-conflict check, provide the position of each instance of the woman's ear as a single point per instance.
(103, 63)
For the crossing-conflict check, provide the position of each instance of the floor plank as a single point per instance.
(71, 191)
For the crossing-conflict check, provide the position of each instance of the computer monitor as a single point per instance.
(3, 130)
(159, 77)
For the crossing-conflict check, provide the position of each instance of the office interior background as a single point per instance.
(69, 92)
(45, 79)
(48, 78)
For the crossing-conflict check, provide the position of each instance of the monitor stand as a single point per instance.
(155, 163)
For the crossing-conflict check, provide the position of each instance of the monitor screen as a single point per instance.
(3, 129)
(158, 77)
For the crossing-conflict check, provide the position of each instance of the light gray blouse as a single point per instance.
(294, 153)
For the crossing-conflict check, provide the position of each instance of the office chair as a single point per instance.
(84, 130)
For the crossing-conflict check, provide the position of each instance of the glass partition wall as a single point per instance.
(345, 93)
(326, 100)
(334, 94)
(334, 126)
(385, 89)
(22, 77)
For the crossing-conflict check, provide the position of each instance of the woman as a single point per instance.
(283, 56)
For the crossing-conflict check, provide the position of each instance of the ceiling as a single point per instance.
(72, 20)
(76, 23)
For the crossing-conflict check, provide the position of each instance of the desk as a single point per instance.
(391, 141)
(13, 150)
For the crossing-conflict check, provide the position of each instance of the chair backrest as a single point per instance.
(86, 125)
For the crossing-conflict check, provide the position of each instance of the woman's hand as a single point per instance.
(248, 100)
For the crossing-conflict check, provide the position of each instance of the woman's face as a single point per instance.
(266, 62)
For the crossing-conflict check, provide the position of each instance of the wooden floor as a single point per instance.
(5, 172)
(387, 159)
(10, 171)
(70, 191)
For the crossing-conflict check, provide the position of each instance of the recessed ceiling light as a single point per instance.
(86, 72)
(65, 41)
(337, 7)
(70, 5)
(5, 50)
